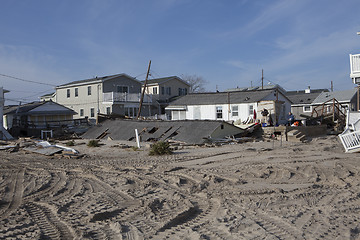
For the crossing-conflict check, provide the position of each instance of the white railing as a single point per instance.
(125, 97)
(351, 141)
(354, 64)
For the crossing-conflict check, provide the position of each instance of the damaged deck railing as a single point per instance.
(351, 141)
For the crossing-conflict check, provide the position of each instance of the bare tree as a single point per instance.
(197, 83)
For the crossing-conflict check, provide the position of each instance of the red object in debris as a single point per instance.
(254, 114)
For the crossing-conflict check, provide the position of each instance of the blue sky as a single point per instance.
(297, 43)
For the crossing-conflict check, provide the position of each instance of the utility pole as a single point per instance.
(262, 79)
(143, 92)
(332, 87)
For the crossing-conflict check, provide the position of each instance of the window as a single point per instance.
(92, 112)
(251, 109)
(108, 110)
(168, 90)
(182, 91)
(162, 90)
(89, 90)
(218, 112)
(154, 90)
(131, 111)
(81, 112)
(68, 93)
(122, 89)
(76, 92)
(235, 111)
(307, 109)
(178, 115)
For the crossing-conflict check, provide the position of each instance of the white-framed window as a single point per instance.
(108, 110)
(154, 90)
(235, 111)
(122, 89)
(76, 92)
(68, 93)
(81, 112)
(307, 108)
(89, 90)
(219, 112)
(251, 109)
(92, 112)
(178, 115)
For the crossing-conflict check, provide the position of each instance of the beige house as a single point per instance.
(116, 94)
(164, 90)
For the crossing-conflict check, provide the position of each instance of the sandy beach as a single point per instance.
(254, 190)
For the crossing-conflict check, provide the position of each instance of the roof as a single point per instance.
(341, 96)
(94, 80)
(302, 97)
(26, 108)
(163, 80)
(189, 131)
(257, 88)
(221, 98)
(48, 95)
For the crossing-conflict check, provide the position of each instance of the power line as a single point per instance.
(25, 80)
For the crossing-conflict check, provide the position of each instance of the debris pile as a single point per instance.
(40, 147)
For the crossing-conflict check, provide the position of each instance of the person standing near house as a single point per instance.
(291, 119)
(264, 114)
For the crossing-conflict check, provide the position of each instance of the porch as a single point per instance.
(115, 97)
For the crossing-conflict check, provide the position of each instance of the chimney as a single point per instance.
(308, 90)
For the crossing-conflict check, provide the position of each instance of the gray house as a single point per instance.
(302, 101)
(115, 94)
(164, 90)
(347, 99)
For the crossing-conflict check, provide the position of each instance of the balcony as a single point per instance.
(355, 68)
(117, 97)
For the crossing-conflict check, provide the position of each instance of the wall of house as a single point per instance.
(208, 112)
(86, 105)
(173, 84)
(111, 85)
(83, 103)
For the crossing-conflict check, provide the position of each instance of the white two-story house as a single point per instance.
(116, 94)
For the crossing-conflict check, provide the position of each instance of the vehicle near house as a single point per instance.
(116, 94)
(164, 90)
(235, 105)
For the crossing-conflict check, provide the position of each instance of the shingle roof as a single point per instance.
(94, 80)
(341, 96)
(189, 131)
(221, 98)
(24, 109)
(302, 98)
(161, 80)
(265, 87)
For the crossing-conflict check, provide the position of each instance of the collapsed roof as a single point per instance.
(188, 131)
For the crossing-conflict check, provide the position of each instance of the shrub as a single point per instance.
(93, 143)
(70, 143)
(160, 148)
